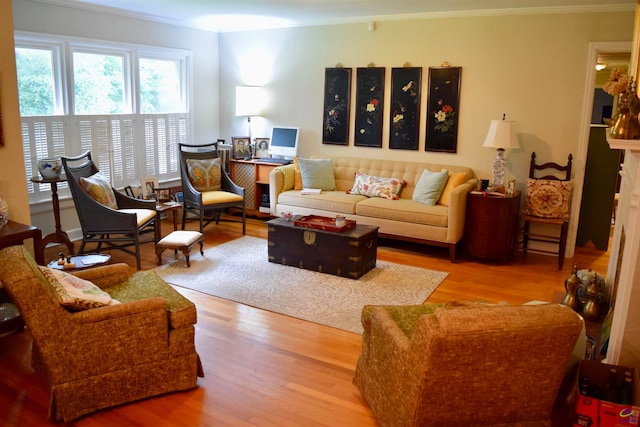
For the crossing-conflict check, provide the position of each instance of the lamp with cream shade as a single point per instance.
(501, 135)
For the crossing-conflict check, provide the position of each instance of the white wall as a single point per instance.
(531, 67)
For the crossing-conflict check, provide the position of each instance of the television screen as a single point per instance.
(284, 141)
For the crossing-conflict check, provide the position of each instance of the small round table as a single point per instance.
(59, 236)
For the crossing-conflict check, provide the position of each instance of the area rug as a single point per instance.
(239, 271)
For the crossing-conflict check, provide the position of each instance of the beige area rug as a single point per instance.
(239, 271)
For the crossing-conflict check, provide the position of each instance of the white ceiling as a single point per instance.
(238, 15)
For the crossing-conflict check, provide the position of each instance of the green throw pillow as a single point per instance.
(430, 186)
(317, 173)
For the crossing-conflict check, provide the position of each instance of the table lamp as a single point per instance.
(249, 102)
(501, 136)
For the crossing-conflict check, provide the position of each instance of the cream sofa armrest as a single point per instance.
(458, 210)
(276, 185)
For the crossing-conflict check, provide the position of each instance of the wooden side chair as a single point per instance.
(548, 195)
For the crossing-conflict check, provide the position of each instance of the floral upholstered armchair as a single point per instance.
(436, 366)
(100, 337)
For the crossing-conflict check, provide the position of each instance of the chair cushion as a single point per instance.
(75, 293)
(548, 198)
(455, 179)
(215, 197)
(430, 186)
(317, 173)
(375, 186)
(205, 174)
(100, 190)
(142, 215)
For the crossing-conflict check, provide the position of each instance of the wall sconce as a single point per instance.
(249, 103)
(501, 136)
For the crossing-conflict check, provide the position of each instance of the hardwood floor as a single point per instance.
(266, 369)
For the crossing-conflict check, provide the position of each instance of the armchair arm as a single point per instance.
(97, 218)
(229, 185)
(121, 311)
(126, 202)
(276, 186)
(106, 275)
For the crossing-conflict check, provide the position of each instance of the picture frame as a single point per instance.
(511, 187)
(262, 148)
(404, 114)
(369, 106)
(241, 147)
(337, 105)
(162, 195)
(443, 109)
(147, 185)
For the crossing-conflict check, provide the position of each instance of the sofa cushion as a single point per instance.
(75, 293)
(205, 174)
(404, 210)
(375, 186)
(334, 201)
(548, 198)
(100, 190)
(289, 173)
(317, 173)
(430, 186)
(297, 178)
(455, 179)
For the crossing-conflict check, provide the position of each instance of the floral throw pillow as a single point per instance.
(75, 293)
(100, 190)
(548, 198)
(375, 186)
(205, 174)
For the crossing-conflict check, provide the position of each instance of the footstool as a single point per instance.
(182, 240)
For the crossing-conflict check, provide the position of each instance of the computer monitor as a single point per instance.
(284, 142)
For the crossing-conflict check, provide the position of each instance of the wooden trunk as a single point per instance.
(347, 254)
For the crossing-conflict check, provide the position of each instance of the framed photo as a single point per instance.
(337, 102)
(241, 146)
(162, 194)
(511, 187)
(443, 104)
(369, 106)
(147, 185)
(404, 118)
(262, 148)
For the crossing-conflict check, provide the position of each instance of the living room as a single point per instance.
(506, 69)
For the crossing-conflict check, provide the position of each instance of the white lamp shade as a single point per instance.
(502, 134)
(249, 101)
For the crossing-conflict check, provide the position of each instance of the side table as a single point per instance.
(59, 236)
(491, 226)
(174, 207)
(15, 233)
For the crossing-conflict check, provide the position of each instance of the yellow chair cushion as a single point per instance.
(142, 215)
(216, 197)
(100, 190)
(205, 174)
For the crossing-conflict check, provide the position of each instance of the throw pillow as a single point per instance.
(204, 174)
(100, 190)
(455, 179)
(289, 177)
(317, 173)
(76, 293)
(548, 198)
(375, 186)
(430, 186)
(297, 178)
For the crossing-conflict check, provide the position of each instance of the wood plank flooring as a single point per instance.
(266, 369)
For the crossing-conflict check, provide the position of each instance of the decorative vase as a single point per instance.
(625, 124)
(50, 168)
(4, 212)
(591, 310)
(571, 286)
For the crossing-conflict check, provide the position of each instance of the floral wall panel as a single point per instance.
(405, 108)
(442, 104)
(337, 92)
(369, 106)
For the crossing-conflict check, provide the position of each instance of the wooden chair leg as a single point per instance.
(563, 244)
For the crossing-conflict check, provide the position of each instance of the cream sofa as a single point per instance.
(402, 219)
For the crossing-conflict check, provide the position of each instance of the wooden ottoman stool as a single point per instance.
(180, 240)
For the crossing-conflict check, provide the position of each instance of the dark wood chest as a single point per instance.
(349, 254)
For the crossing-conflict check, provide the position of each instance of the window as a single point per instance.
(126, 104)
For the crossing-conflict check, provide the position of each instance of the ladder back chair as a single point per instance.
(548, 196)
